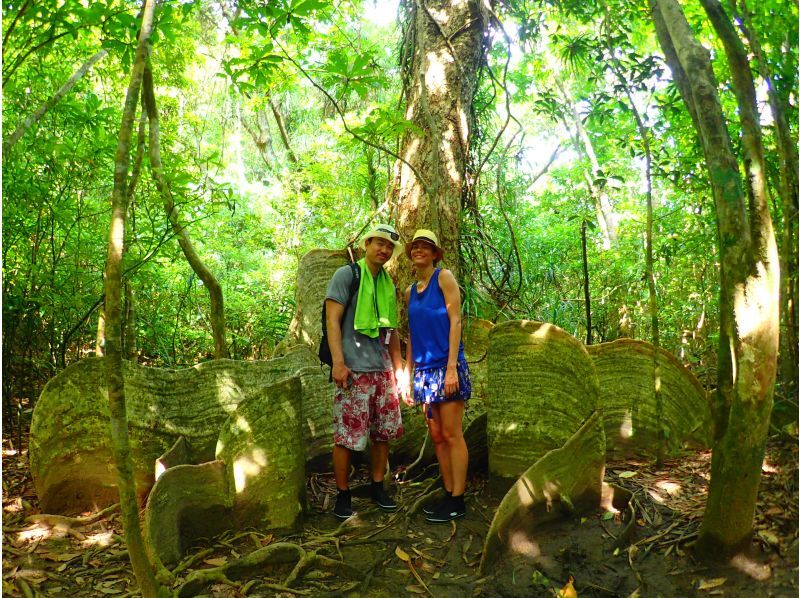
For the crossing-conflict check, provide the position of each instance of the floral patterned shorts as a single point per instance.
(369, 406)
(429, 386)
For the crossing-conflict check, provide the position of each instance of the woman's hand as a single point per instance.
(450, 381)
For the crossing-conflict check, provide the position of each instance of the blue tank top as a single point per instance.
(429, 326)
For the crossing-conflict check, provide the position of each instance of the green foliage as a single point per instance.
(254, 203)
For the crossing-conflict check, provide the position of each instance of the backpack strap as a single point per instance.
(355, 282)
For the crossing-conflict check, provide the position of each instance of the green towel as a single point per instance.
(375, 309)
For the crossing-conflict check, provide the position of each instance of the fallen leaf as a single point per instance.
(216, 562)
(62, 557)
(416, 590)
(32, 575)
(769, 537)
(402, 554)
(707, 584)
(427, 567)
(626, 474)
(608, 515)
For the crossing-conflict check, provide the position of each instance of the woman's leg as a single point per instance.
(439, 445)
(450, 415)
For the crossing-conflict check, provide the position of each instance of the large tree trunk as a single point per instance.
(787, 153)
(217, 315)
(441, 54)
(142, 567)
(749, 285)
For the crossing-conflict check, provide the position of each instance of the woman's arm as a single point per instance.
(452, 300)
(408, 397)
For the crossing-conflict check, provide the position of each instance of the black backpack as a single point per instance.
(324, 348)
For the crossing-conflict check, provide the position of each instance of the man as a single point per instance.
(365, 349)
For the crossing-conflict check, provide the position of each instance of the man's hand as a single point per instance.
(402, 377)
(341, 374)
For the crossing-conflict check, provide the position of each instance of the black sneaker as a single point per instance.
(432, 507)
(343, 509)
(380, 498)
(453, 508)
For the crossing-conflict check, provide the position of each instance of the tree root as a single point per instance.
(70, 522)
(254, 563)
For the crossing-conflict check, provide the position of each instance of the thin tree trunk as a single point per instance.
(606, 219)
(587, 299)
(440, 59)
(787, 153)
(140, 561)
(217, 315)
(100, 339)
(749, 285)
(34, 118)
(282, 128)
(130, 342)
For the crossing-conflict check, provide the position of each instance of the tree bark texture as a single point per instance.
(787, 154)
(217, 315)
(441, 54)
(140, 561)
(31, 120)
(749, 285)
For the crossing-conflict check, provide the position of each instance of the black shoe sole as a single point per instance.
(448, 520)
(386, 508)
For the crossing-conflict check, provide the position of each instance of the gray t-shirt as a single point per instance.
(361, 353)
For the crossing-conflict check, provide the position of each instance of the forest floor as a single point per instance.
(379, 554)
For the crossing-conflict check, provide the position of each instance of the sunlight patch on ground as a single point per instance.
(9, 452)
(99, 539)
(750, 567)
(34, 533)
(521, 544)
(15, 506)
(768, 467)
(671, 488)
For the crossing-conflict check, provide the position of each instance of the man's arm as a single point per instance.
(334, 314)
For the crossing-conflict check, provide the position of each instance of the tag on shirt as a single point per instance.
(387, 337)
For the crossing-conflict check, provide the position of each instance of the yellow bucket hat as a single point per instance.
(423, 234)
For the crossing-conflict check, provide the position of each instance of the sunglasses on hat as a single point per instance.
(394, 236)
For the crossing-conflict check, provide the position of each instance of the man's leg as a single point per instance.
(341, 466)
(385, 424)
(350, 429)
(378, 455)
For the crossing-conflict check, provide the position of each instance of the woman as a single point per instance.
(441, 376)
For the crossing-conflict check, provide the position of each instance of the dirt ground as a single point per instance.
(378, 554)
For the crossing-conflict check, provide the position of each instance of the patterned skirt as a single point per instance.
(429, 385)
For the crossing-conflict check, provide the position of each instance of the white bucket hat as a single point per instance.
(384, 231)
